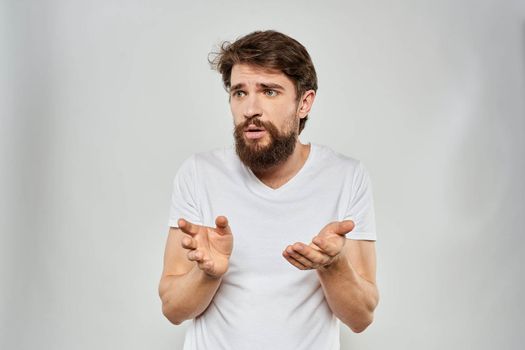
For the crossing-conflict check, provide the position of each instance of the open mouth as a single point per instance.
(254, 132)
(252, 127)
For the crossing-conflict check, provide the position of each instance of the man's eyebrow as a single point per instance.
(270, 86)
(236, 87)
(260, 85)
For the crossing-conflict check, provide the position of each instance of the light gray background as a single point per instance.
(102, 101)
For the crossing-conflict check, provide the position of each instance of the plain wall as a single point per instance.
(102, 101)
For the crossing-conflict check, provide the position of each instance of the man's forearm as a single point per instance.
(187, 296)
(350, 297)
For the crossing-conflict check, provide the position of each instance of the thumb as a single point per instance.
(343, 227)
(223, 228)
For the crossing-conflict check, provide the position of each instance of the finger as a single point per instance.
(195, 255)
(206, 265)
(188, 243)
(223, 227)
(300, 258)
(342, 227)
(315, 257)
(294, 262)
(328, 247)
(187, 227)
(314, 246)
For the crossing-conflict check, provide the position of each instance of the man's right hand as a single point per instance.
(209, 247)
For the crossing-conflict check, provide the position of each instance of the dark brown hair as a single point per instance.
(272, 50)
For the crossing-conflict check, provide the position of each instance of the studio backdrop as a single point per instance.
(101, 102)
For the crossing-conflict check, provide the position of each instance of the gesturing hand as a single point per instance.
(324, 249)
(209, 247)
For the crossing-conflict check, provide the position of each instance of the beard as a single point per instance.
(261, 157)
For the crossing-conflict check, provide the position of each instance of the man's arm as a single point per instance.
(195, 259)
(346, 269)
(349, 284)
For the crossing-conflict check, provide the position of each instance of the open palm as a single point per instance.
(325, 248)
(209, 247)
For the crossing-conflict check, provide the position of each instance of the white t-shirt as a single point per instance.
(264, 302)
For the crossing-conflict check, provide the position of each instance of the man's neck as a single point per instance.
(277, 176)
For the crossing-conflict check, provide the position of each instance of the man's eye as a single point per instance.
(271, 93)
(238, 93)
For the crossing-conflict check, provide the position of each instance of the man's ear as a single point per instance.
(305, 103)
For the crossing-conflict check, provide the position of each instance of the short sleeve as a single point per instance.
(184, 200)
(361, 206)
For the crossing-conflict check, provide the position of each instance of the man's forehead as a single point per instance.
(246, 73)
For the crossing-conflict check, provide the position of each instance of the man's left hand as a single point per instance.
(324, 249)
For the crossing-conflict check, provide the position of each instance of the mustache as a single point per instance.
(257, 122)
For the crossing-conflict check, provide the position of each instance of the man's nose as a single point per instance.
(252, 107)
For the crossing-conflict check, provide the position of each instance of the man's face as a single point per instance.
(265, 114)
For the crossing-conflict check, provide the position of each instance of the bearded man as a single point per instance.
(271, 242)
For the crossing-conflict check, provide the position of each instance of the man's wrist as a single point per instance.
(338, 263)
(205, 276)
